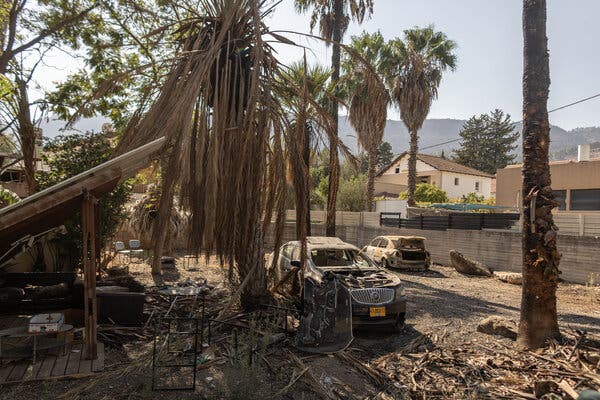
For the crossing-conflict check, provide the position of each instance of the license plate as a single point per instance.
(377, 311)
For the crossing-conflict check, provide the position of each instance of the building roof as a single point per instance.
(559, 162)
(441, 164)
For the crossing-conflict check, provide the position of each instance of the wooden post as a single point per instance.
(89, 275)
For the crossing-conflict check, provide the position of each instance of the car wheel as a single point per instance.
(399, 325)
(385, 263)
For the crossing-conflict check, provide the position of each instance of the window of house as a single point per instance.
(397, 170)
(560, 196)
(477, 186)
(585, 199)
(455, 181)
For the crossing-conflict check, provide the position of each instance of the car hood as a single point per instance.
(364, 279)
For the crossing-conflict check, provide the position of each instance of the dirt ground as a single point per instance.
(439, 354)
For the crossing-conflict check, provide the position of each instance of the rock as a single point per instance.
(495, 325)
(466, 266)
(514, 278)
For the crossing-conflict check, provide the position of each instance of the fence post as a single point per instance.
(399, 220)
(450, 221)
(380, 219)
(481, 221)
(581, 224)
(421, 221)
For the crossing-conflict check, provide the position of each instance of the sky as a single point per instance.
(490, 44)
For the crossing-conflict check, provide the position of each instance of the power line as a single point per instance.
(514, 123)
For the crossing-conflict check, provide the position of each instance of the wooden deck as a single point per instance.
(48, 366)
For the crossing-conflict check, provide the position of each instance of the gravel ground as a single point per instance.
(444, 306)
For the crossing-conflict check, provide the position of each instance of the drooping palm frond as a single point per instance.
(219, 115)
(363, 85)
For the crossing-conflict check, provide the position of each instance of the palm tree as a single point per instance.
(421, 59)
(367, 97)
(538, 320)
(333, 17)
(295, 87)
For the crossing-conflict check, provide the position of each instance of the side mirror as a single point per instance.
(296, 263)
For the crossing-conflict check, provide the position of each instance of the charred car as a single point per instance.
(375, 295)
(402, 252)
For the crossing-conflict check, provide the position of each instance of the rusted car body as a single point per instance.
(401, 252)
(376, 295)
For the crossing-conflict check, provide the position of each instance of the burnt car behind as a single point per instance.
(376, 294)
(401, 252)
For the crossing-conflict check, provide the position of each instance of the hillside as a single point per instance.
(563, 143)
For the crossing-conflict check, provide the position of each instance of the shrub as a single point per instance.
(427, 193)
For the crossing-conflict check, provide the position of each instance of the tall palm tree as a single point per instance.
(333, 17)
(538, 320)
(367, 97)
(422, 57)
(295, 87)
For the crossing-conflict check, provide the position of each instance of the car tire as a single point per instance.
(384, 263)
(399, 325)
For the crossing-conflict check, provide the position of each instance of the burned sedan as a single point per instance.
(402, 252)
(376, 295)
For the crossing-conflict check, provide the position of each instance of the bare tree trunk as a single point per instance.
(26, 136)
(334, 177)
(540, 256)
(371, 179)
(255, 292)
(412, 168)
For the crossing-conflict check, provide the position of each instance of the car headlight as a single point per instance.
(399, 291)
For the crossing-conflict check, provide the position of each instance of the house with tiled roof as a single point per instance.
(455, 179)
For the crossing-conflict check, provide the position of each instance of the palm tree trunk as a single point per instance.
(538, 320)
(412, 168)
(334, 178)
(26, 136)
(371, 179)
(306, 157)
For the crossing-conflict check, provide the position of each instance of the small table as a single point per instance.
(23, 332)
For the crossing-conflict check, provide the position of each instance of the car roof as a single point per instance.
(324, 242)
(396, 237)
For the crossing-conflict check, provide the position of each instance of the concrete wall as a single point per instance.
(500, 250)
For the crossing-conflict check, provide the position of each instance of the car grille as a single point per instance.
(372, 296)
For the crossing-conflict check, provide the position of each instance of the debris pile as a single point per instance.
(494, 370)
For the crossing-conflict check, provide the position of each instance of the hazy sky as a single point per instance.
(489, 38)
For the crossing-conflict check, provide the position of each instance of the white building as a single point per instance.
(455, 179)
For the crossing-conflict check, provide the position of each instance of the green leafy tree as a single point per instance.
(487, 142)
(67, 156)
(426, 193)
(7, 197)
(27, 26)
(351, 196)
(333, 17)
(385, 155)
(367, 97)
(420, 60)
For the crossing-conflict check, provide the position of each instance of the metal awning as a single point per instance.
(50, 207)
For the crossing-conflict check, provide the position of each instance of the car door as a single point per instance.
(382, 245)
(372, 247)
(284, 262)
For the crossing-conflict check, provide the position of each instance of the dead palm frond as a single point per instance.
(217, 110)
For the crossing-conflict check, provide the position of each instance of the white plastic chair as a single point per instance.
(135, 249)
(121, 251)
